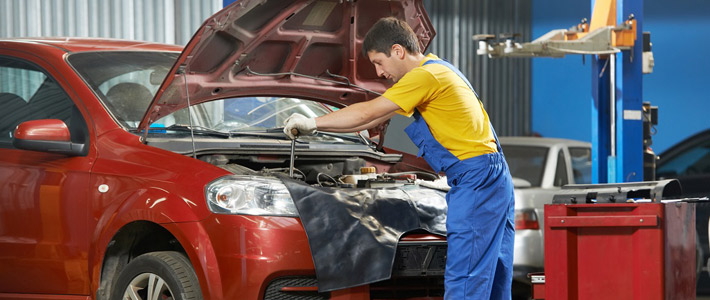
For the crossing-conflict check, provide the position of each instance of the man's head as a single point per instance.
(387, 45)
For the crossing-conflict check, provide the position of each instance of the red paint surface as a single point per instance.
(620, 251)
(43, 130)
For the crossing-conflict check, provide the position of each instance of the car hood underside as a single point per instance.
(300, 48)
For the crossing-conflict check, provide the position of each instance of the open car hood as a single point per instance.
(303, 48)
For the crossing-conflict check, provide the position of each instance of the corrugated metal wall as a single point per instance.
(163, 21)
(503, 84)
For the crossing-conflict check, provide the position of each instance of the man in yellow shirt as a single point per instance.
(455, 136)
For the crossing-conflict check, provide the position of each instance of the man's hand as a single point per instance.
(305, 126)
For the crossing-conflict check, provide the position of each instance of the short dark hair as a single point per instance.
(387, 32)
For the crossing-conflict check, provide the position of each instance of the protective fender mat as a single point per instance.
(353, 233)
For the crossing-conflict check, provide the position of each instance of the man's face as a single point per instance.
(391, 67)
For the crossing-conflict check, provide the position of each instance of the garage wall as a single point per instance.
(677, 85)
(503, 84)
(163, 21)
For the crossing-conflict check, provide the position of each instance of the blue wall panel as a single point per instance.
(680, 80)
(561, 88)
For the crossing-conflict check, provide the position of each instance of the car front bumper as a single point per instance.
(262, 257)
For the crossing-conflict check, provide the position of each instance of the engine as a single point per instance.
(342, 172)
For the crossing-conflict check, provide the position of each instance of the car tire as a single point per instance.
(166, 273)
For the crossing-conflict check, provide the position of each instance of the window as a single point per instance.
(581, 164)
(561, 171)
(692, 161)
(27, 93)
(526, 162)
(125, 81)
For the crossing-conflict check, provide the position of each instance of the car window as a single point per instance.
(125, 81)
(27, 93)
(581, 164)
(695, 160)
(526, 162)
(561, 170)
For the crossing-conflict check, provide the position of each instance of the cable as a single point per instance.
(328, 176)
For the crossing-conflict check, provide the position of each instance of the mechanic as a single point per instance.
(454, 135)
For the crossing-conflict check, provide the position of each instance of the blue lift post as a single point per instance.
(617, 152)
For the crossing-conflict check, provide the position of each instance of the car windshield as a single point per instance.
(526, 162)
(126, 82)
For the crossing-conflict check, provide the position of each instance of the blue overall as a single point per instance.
(480, 218)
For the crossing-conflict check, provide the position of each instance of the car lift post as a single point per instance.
(614, 40)
(617, 125)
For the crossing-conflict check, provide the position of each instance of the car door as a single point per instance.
(43, 196)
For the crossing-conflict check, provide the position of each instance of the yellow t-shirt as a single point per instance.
(455, 117)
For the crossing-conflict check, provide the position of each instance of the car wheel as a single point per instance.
(158, 275)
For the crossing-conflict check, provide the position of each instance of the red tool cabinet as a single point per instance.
(619, 251)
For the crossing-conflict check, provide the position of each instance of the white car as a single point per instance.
(540, 167)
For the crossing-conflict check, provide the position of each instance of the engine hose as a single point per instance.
(427, 175)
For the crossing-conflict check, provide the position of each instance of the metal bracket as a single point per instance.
(655, 191)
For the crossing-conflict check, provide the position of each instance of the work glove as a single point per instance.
(305, 126)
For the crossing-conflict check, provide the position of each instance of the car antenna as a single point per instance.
(183, 70)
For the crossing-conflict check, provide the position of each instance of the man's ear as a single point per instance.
(398, 51)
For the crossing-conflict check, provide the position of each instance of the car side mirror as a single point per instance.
(50, 135)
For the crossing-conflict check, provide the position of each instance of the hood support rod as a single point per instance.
(183, 70)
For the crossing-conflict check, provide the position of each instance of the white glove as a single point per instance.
(305, 126)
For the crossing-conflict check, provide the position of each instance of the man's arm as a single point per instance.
(358, 116)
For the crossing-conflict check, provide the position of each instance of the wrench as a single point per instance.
(295, 132)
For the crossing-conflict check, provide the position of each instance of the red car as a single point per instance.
(134, 170)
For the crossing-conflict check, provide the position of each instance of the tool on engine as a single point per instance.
(295, 133)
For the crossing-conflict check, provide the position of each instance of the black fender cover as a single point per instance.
(353, 233)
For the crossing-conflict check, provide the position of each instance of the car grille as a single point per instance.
(420, 259)
(395, 288)
(408, 287)
(418, 272)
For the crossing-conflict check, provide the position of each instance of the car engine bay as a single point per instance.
(336, 171)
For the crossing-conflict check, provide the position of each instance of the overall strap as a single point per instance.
(438, 157)
(456, 70)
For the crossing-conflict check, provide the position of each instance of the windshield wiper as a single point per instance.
(264, 134)
(196, 129)
(357, 138)
(208, 131)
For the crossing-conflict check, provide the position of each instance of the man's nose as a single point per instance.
(379, 72)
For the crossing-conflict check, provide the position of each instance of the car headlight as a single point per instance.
(250, 195)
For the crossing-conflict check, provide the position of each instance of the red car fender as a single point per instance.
(152, 205)
(194, 239)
